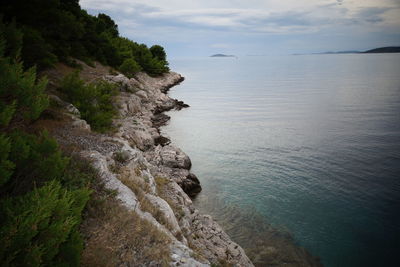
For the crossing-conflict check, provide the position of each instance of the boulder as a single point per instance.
(174, 157)
(191, 185)
(71, 109)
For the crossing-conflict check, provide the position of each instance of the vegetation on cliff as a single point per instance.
(43, 192)
(41, 199)
(59, 30)
(93, 100)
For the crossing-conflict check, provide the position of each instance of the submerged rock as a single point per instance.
(162, 140)
(191, 185)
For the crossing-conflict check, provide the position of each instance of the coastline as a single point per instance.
(136, 154)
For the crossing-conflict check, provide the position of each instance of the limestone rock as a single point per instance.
(191, 185)
(174, 157)
(99, 161)
(144, 156)
(167, 212)
(65, 105)
(80, 124)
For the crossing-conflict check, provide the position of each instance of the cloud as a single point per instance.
(278, 18)
(213, 22)
(220, 45)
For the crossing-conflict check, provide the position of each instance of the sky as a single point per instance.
(188, 28)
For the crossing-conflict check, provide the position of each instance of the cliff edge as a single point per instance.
(149, 177)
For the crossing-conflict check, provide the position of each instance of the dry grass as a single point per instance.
(197, 252)
(162, 188)
(135, 183)
(87, 73)
(140, 189)
(115, 236)
(161, 183)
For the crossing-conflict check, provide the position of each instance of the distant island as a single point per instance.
(388, 49)
(338, 52)
(222, 55)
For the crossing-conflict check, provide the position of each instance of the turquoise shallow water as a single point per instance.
(311, 143)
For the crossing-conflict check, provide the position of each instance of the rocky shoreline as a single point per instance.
(143, 167)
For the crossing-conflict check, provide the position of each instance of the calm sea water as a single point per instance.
(311, 143)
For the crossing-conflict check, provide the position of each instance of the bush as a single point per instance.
(41, 200)
(37, 225)
(36, 51)
(130, 67)
(37, 160)
(6, 166)
(19, 90)
(158, 52)
(94, 100)
(41, 205)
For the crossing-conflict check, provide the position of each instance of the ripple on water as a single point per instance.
(302, 150)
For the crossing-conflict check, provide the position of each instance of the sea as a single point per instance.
(307, 146)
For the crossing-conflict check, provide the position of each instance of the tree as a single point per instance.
(130, 67)
(19, 90)
(106, 24)
(158, 52)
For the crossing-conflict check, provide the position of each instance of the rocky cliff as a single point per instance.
(150, 176)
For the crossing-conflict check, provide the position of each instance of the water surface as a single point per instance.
(311, 144)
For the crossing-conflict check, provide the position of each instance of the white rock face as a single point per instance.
(174, 157)
(111, 182)
(80, 124)
(168, 214)
(67, 106)
(161, 173)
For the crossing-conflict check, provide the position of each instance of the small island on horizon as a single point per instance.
(387, 49)
(222, 55)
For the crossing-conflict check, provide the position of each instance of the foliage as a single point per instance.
(60, 29)
(13, 38)
(6, 166)
(19, 90)
(130, 67)
(41, 203)
(37, 224)
(37, 160)
(94, 100)
(158, 52)
(42, 192)
(38, 52)
(149, 63)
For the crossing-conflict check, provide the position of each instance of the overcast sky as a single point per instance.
(243, 27)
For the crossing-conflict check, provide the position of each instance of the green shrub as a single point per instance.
(42, 203)
(94, 100)
(78, 174)
(13, 38)
(158, 52)
(42, 192)
(6, 166)
(37, 225)
(37, 160)
(36, 51)
(20, 90)
(150, 63)
(59, 30)
(130, 67)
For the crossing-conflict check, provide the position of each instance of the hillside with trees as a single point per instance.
(43, 190)
(50, 31)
